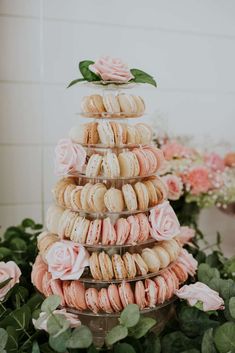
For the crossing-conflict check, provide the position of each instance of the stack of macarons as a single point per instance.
(114, 297)
(143, 161)
(68, 224)
(150, 260)
(98, 198)
(115, 105)
(111, 134)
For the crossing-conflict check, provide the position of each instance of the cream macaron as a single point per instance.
(113, 200)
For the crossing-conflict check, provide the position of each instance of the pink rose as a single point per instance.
(198, 180)
(8, 270)
(164, 222)
(175, 186)
(214, 162)
(229, 159)
(66, 260)
(187, 259)
(69, 157)
(110, 69)
(186, 234)
(41, 322)
(174, 149)
(201, 292)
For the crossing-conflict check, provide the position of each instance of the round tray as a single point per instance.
(104, 178)
(110, 85)
(116, 148)
(111, 116)
(121, 246)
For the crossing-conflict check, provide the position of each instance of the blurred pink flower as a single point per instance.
(186, 234)
(174, 185)
(198, 179)
(214, 162)
(173, 149)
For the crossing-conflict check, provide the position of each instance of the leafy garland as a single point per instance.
(189, 331)
(89, 76)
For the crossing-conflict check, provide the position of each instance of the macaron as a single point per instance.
(93, 167)
(126, 294)
(93, 104)
(129, 165)
(67, 195)
(127, 103)
(72, 218)
(92, 299)
(45, 240)
(129, 264)
(80, 230)
(153, 164)
(38, 270)
(77, 295)
(172, 247)
(109, 236)
(75, 198)
(95, 266)
(139, 104)
(141, 266)
(142, 196)
(64, 221)
(106, 266)
(110, 166)
(140, 298)
(57, 289)
(120, 133)
(46, 284)
(113, 200)
(79, 134)
(104, 302)
(94, 232)
(169, 282)
(162, 255)
(133, 137)
(151, 292)
(180, 271)
(119, 267)
(143, 161)
(122, 228)
(95, 197)
(114, 298)
(111, 103)
(160, 187)
(144, 231)
(158, 155)
(84, 196)
(151, 259)
(105, 132)
(145, 132)
(93, 136)
(67, 294)
(162, 289)
(129, 197)
(134, 230)
(152, 193)
(54, 213)
(59, 188)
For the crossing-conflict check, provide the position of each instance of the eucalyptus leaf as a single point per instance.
(224, 337)
(81, 337)
(18, 244)
(142, 327)
(123, 348)
(92, 349)
(152, 344)
(130, 315)
(208, 342)
(59, 343)
(116, 334)
(232, 307)
(3, 338)
(56, 324)
(142, 77)
(35, 348)
(28, 223)
(51, 303)
(207, 273)
(12, 342)
(86, 72)
(20, 318)
(135, 343)
(4, 252)
(75, 81)
(178, 340)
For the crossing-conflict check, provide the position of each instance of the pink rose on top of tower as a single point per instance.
(111, 69)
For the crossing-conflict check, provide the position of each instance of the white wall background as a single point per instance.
(188, 45)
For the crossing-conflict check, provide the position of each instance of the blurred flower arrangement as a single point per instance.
(197, 180)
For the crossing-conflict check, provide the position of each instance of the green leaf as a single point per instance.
(56, 324)
(207, 273)
(116, 334)
(75, 81)
(28, 223)
(35, 302)
(136, 344)
(92, 349)
(224, 337)
(123, 348)
(20, 318)
(51, 303)
(86, 72)
(130, 315)
(229, 266)
(142, 77)
(178, 340)
(194, 322)
(193, 350)
(18, 244)
(35, 348)
(81, 337)
(3, 338)
(152, 344)
(142, 327)
(232, 307)
(4, 252)
(4, 283)
(208, 342)
(37, 226)
(12, 343)
(59, 343)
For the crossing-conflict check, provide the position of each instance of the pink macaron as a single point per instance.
(140, 298)
(162, 289)
(144, 232)
(181, 271)
(126, 294)
(158, 155)
(134, 230)
(166, 274)
(77, 295)
(46, 284)
(57, 289)
(122, 228)
(151, 292)
(108, 236)
(114, 298)
(94, 232)
(143, 161)
(92, 299)
(104, 302)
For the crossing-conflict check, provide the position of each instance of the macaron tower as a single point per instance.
(112, 237)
